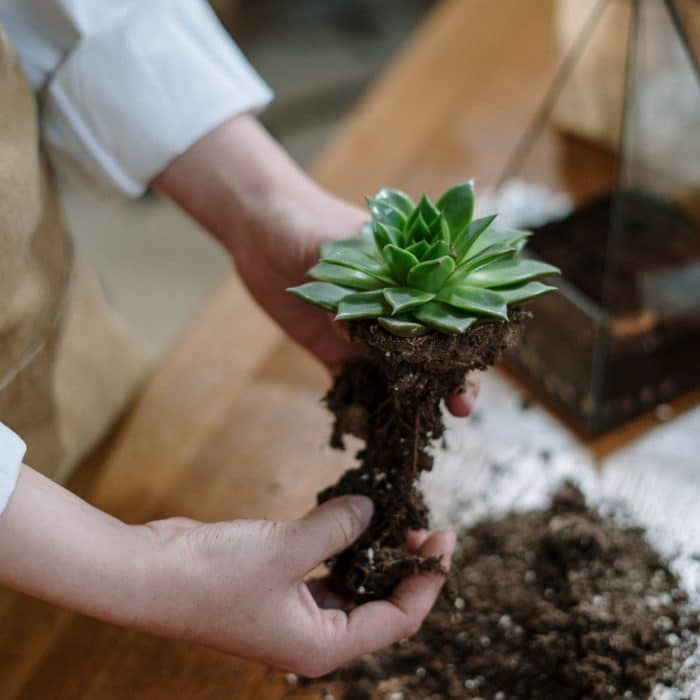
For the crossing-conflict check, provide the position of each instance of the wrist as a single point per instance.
(138, 594)
(165, 586)
(235, 181)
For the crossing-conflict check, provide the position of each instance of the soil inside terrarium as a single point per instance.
(391, 397)
(560, 603)
(654, 240)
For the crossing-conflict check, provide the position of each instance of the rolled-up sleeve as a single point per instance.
(12, 451)
(128, 85)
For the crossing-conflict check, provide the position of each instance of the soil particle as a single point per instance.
(560, 603)
(392, 398)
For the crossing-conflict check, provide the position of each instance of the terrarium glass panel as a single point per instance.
(610, 169)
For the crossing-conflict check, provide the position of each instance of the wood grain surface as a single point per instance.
(230, 425)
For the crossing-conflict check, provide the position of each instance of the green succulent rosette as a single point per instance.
(424, 266)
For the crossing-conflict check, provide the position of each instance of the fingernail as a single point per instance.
(465, 403)
(363, 508)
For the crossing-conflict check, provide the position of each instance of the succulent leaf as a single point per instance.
(425, 267)
(405, 298)
(466, 239)
(400, 261)
(418, 230)
(363, 305)
(398, 199)
(428, 210)
(444, 318)
(505, 236)
(517, 295)
(323, 294)
(325, 271)
(385, 234)
(419, 249)
(404, 326)
(439, 249)
(445, 232)
(364, 262)
(476, 300)
(386, 213)
(363, 243)
(506, 273)
(431, 275)
(457, 204)
(489, 255)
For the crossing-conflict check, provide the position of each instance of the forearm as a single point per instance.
(56, 547)
(233, 179)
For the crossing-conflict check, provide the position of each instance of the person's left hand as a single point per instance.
(241, 587)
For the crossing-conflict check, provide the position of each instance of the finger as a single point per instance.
(459, 405)
(380, 623)
(329, 529)
(462, 404)
(416, 539)
(340, 329)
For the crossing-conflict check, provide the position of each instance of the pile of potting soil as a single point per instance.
(561, 603)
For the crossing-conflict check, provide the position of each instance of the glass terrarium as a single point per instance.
(613, 159)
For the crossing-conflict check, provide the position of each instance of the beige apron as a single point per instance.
(67, 365)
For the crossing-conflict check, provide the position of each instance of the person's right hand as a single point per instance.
(239, 587)
(271, 217)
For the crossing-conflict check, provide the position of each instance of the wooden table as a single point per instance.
(230, 424)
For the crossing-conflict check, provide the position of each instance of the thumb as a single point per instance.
(331, 528)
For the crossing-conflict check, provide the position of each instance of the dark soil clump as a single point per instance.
(391, 398)
(556, 604)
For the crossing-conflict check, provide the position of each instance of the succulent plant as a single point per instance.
(425, 266)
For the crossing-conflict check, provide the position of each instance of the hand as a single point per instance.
(234, 586)
(271, 217)
(276, 257)
(239, 587)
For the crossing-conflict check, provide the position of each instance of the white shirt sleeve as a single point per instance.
(12, 451)
(127, 85)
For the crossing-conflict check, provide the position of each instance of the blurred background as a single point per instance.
(612, 197)
(318, 56)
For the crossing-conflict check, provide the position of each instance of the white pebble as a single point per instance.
(459, 603)
(370, 555)
(530, 577)
(664, 412)
(361, 590)
(396, 696)
(664, 623)
(420, 672)
(291, 679)
(505, 621)
(470, 684)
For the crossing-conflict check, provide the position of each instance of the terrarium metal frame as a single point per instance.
(587, 337)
